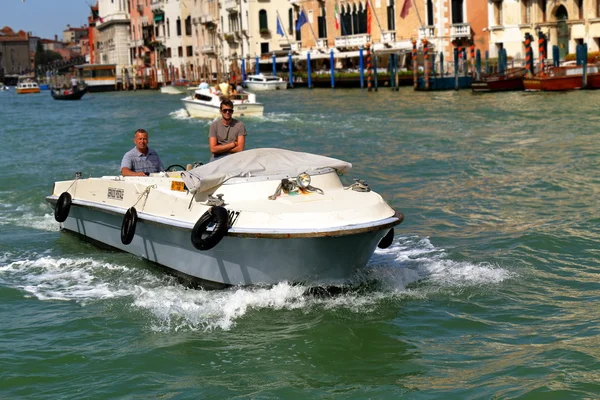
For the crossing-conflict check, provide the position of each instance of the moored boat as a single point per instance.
(561, 78)
(3, 87)
(261, 216)
(262, 82)
(509, 80)
(27, 85)
(204, 103)
(69, 94)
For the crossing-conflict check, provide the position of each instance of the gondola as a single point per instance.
(68, 94)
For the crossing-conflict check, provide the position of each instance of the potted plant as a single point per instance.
(264, 31)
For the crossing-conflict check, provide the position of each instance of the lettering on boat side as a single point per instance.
(232, 217)
(115, 194)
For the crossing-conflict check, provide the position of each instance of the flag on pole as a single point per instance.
(405, 8)
(337, 16)
(369, 14)
(101, 20)
(279, 28)
(301, 20)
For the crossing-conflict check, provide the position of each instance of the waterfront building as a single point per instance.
(15, 55)
(113, 35)
(73, 35)
(565, 23)
(141, 45)
(208, 44)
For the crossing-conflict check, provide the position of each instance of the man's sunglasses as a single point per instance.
(225, 110)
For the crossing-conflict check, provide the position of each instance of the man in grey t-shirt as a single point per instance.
(227, 135)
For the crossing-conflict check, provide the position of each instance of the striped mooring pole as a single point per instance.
(414, 62)
(369, 68)
(472, 50)
(528, 60)
(426, 63)
(541, 52)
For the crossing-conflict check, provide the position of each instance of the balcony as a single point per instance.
(206, 19)
(136, 43)
(460, 31)
(322, 44)
(352, 41)
(209, 49)
(426, 32)
(388, 38)
(157, 6)
(231, 5)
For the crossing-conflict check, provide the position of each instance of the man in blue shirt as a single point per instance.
(141, 160)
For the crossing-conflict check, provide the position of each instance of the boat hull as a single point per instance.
(77, 95)
(202, 110)
(236, 260)
(28, 91)
(265, 86)
(170, 89)
(553, 83)
(498, 85)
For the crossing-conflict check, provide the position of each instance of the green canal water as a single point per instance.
(490, 289)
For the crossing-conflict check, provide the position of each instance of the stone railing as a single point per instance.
(352, 40)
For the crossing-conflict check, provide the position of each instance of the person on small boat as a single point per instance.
(226, 135)
(74, 84)
(141, 160)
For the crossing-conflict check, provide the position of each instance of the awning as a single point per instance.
(159, 17)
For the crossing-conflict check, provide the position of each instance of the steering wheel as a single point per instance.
(173, 166)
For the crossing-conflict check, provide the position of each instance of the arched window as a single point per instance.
(262, 20)
(430, 19)
(355, 24)
(347, 20)
(362, 19)
(498, 17)
(168, 28)
(457, 12)
(391, 15)
(188, 26)
(322, 23)
(178, 26)
(291, 20)
(543, 7)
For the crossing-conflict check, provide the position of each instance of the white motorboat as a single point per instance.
(3, 87)
(204, 103)
(178, 87)
(27, 85)
(260, 216)
(265, 82)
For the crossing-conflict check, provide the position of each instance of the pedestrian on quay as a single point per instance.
(226, 135)
(141, 160)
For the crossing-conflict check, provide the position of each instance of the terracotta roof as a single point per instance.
(7, 31)
(12, 38)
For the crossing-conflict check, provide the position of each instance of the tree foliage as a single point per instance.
(43, 57)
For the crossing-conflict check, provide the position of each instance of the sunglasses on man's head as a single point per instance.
(225, 110)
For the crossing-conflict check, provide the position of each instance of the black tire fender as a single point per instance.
(215, 214)
(63, 206)
(387, 240)
(128, 226)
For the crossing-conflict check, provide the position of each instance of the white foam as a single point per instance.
(173, 307)
(180, 114)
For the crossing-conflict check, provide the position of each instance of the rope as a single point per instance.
(145, 192)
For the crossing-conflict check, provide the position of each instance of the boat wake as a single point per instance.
(180, 114)
(411, 268)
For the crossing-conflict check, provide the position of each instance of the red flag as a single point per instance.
(405, 8)
(368, 18)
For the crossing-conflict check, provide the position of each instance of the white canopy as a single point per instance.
(258, 162)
